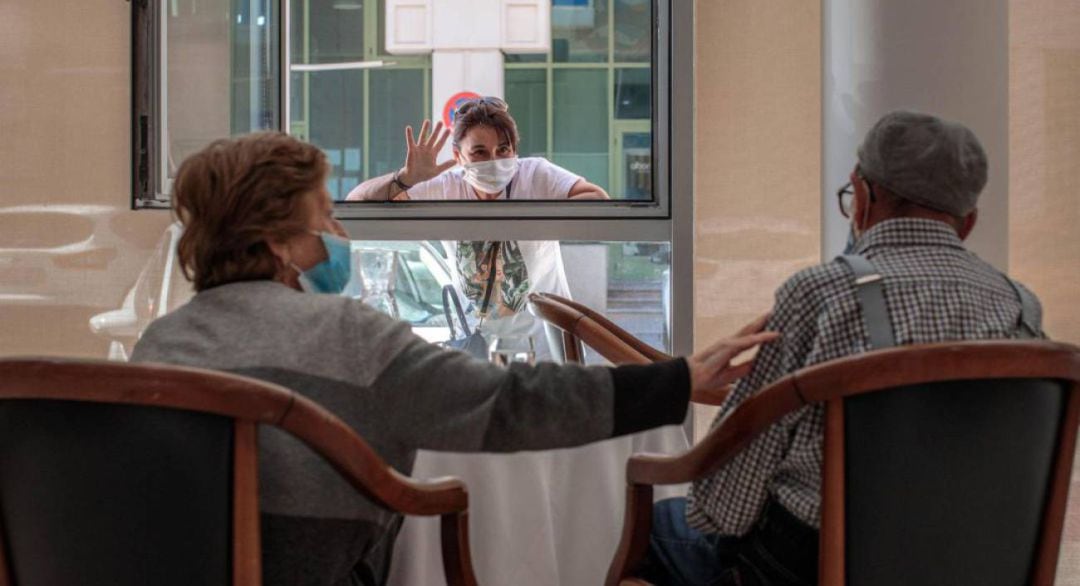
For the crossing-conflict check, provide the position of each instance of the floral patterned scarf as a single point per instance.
(511, 286)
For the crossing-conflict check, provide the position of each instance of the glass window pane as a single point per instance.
(633, 30)
(405, 280)
(526, 92)
(397, 100)
(380, 46)
(636, 165)
(580, 115)
(334, 111)
(255, 68)
(579, 31)
(526, 57)
(227, 51)
(327, 32)
(633, 94)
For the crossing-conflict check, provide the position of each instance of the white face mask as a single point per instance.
(490, 176)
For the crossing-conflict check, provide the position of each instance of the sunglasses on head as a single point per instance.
(497, 103)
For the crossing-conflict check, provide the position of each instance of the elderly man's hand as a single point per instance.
(711, 369)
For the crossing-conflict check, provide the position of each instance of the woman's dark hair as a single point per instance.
(235, 195)
(493, 112)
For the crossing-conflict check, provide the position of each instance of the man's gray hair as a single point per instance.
(926, 160)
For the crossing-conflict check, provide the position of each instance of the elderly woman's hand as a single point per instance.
(421, 161)
(711, 369)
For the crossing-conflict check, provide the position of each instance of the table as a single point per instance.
(536, 518)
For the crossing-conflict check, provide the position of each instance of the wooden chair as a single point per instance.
(582, 326)
(943, 463)
(547, 305)
(123, 474)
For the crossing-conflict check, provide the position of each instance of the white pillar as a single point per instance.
(457, 71)
(944, 58)
(466, 43)
(466, 39)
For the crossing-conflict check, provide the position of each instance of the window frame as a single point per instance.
(151, 187)
(668, 218)
(658, 208)
(145, 109)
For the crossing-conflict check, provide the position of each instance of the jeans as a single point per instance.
(779, 551)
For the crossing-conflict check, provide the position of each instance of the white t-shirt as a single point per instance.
(536, 178)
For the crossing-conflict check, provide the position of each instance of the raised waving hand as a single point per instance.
(421, 162)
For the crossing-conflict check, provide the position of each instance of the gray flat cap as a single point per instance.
(924, 159)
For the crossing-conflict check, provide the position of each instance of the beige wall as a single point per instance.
(758, 157)
(1044, 208)
(64, 140)
(1044, 126)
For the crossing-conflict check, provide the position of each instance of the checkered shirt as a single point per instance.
(935, 291)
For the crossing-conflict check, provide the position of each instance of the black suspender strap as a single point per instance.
(871, 296)
(449, 295)
(1029, 310)
(491, 278)
(870, 293)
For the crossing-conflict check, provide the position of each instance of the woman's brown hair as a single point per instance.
(235, 195)
(492, 112)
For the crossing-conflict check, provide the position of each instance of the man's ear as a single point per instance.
(967, 224)
(859, 204)
(457, 156)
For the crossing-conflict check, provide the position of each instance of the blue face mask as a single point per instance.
(332, 274)
(851, 240)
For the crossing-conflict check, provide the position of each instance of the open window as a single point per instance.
(601, 88)
(580, 77)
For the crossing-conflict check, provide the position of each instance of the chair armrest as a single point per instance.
(609, 340)
(748, 420)
(358, 464)
(650, 353)
(372, 477)
(643, 471)
(715, 398)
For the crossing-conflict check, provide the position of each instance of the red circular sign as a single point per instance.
(449, 111)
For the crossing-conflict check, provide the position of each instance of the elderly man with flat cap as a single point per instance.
(912, 202)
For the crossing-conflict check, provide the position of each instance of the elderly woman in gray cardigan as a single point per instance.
(259, 241)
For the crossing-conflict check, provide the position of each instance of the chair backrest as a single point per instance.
(102, 494)
(601, 320)
(943, 463)
(581, 325)
(945, 483)
(147, 474)
(946, 463)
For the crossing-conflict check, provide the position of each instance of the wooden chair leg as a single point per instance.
(5, 570)
(247, 552)
(831, 549)
(571, 348)
(457, 558)
(1046, 557)
(634, 543)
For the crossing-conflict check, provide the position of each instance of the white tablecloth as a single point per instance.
(544, 518)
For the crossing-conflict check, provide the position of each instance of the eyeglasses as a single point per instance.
(497, 103)
(845, 196)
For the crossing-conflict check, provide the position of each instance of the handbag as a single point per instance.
(472, 342)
